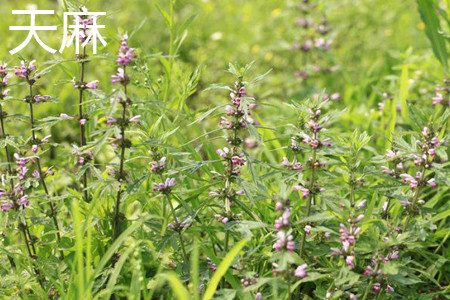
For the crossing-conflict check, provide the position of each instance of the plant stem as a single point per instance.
(311, 199)
(288, 279)
(366, 292)
(39, 169)
(8, 160)
(122, 159)
(8, 157)
(81, 116)
(31, 251)
(172, 209)
(416, 197)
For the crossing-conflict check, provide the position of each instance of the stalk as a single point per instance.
(31, 251)
(22, 225)
(366, 292)
(83, 140)
(39, 169)
(416, 197)
(311, 199)
(8, 158)
(122, 159)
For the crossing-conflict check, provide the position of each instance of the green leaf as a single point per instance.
(427, 10)
(181, 293)
(222, 269)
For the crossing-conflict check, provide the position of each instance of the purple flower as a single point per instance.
(166, 186)
(23, 201)
(223, 152)
(305, 191)
(126, 54)
(361, 204)
(432, 183)
(238, 160)
(301, 271)
(438, 99)
(36, 174)
(6, 206)
(120, 77)
(376, 288)
(93, 85)
(135, 119)
(23, 71)
(156, 168)
(40, 99)
(335, 97)
(83, 122)
(350, 262)
(65, 117)
(409, 179)
(110, 121)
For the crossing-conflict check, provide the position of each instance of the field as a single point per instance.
(226, 150)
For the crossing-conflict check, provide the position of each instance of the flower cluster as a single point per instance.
(312, 41)
(158, 166)
(442, 94)
(164, 187)
(249, 280)
(348, 236)
(92, 85)
(423, 161)
(310, 137)
(16, 197)
(285, 240)
(126, 54)
(178, 225)
(83, 21)
(238, 115)
(4, 81)
(82, 157)
(25, 70)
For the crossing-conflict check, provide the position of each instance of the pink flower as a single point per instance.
(305, 191)
(223, 152)
(120, 77)
(83, 122)
(65, 117)
(409, 179)
(6, 206)
(136, 120)
(110, 121)
(335, 97)
(350, 262)
(438, 99)
(376, 288)
(39, 98)
(432, 183)
(126, 54)
(93, 85)
(301, 271)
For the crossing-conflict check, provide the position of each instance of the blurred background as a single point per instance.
(371, 41)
